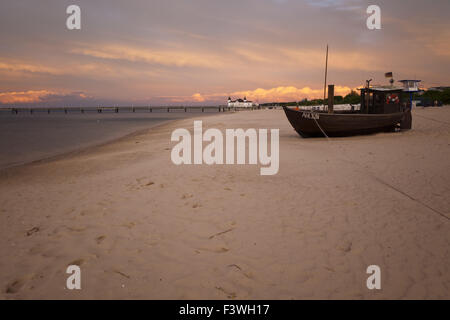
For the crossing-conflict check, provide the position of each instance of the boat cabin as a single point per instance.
(378, 100)
(410, 85)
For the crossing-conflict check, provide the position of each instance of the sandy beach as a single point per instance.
(141, 227)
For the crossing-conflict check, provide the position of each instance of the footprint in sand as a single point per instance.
(100, 239)
(230, 295)
(140, 183)
(128, 225)
(32, 230)
(214, 249)
(84, 213)
(121, 273)
(75, 229)
(16, 285)
(345, 246)
(77, 262)
(248, 275)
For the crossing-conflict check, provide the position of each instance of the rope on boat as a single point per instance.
(321, 129)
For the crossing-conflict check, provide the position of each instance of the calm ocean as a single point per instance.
(26, 137)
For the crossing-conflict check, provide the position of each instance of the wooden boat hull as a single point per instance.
(313, 124)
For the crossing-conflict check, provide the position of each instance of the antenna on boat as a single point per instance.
(325, 85)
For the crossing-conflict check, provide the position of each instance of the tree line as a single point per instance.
(442, 97)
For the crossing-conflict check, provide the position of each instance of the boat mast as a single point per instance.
(325, 85)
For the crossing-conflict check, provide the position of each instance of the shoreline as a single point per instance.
(90, 146)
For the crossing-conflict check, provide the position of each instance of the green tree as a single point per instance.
(338, 99)
(352, 98)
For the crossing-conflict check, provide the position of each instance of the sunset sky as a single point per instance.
(202, 51)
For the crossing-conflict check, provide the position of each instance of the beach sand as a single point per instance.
(141, 227)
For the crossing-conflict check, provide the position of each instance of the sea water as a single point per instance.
(26, 137)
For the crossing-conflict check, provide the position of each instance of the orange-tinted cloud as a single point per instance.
(27, 67)
(338, 60)
(196, 97)
(248, 55)
(40, 96)
(166, 57)
(24, 96)
(289, 93)
(277, 94)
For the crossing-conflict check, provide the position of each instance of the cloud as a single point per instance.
(40, 96)
(18, 66)
(23, 96)
(240, 56)
(197, 97)
(341, 5)
(288, 93)
(276, 94)
(166, 57)
(194, 98)
(338, 59)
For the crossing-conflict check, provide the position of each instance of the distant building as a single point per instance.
(241, 103)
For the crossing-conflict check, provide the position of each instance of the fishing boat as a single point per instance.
(383, 109)
(312, 124)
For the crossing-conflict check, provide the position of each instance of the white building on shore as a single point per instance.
(241, 103)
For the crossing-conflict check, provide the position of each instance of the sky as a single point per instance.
(199, 52)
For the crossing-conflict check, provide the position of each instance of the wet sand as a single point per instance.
(141, 227)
